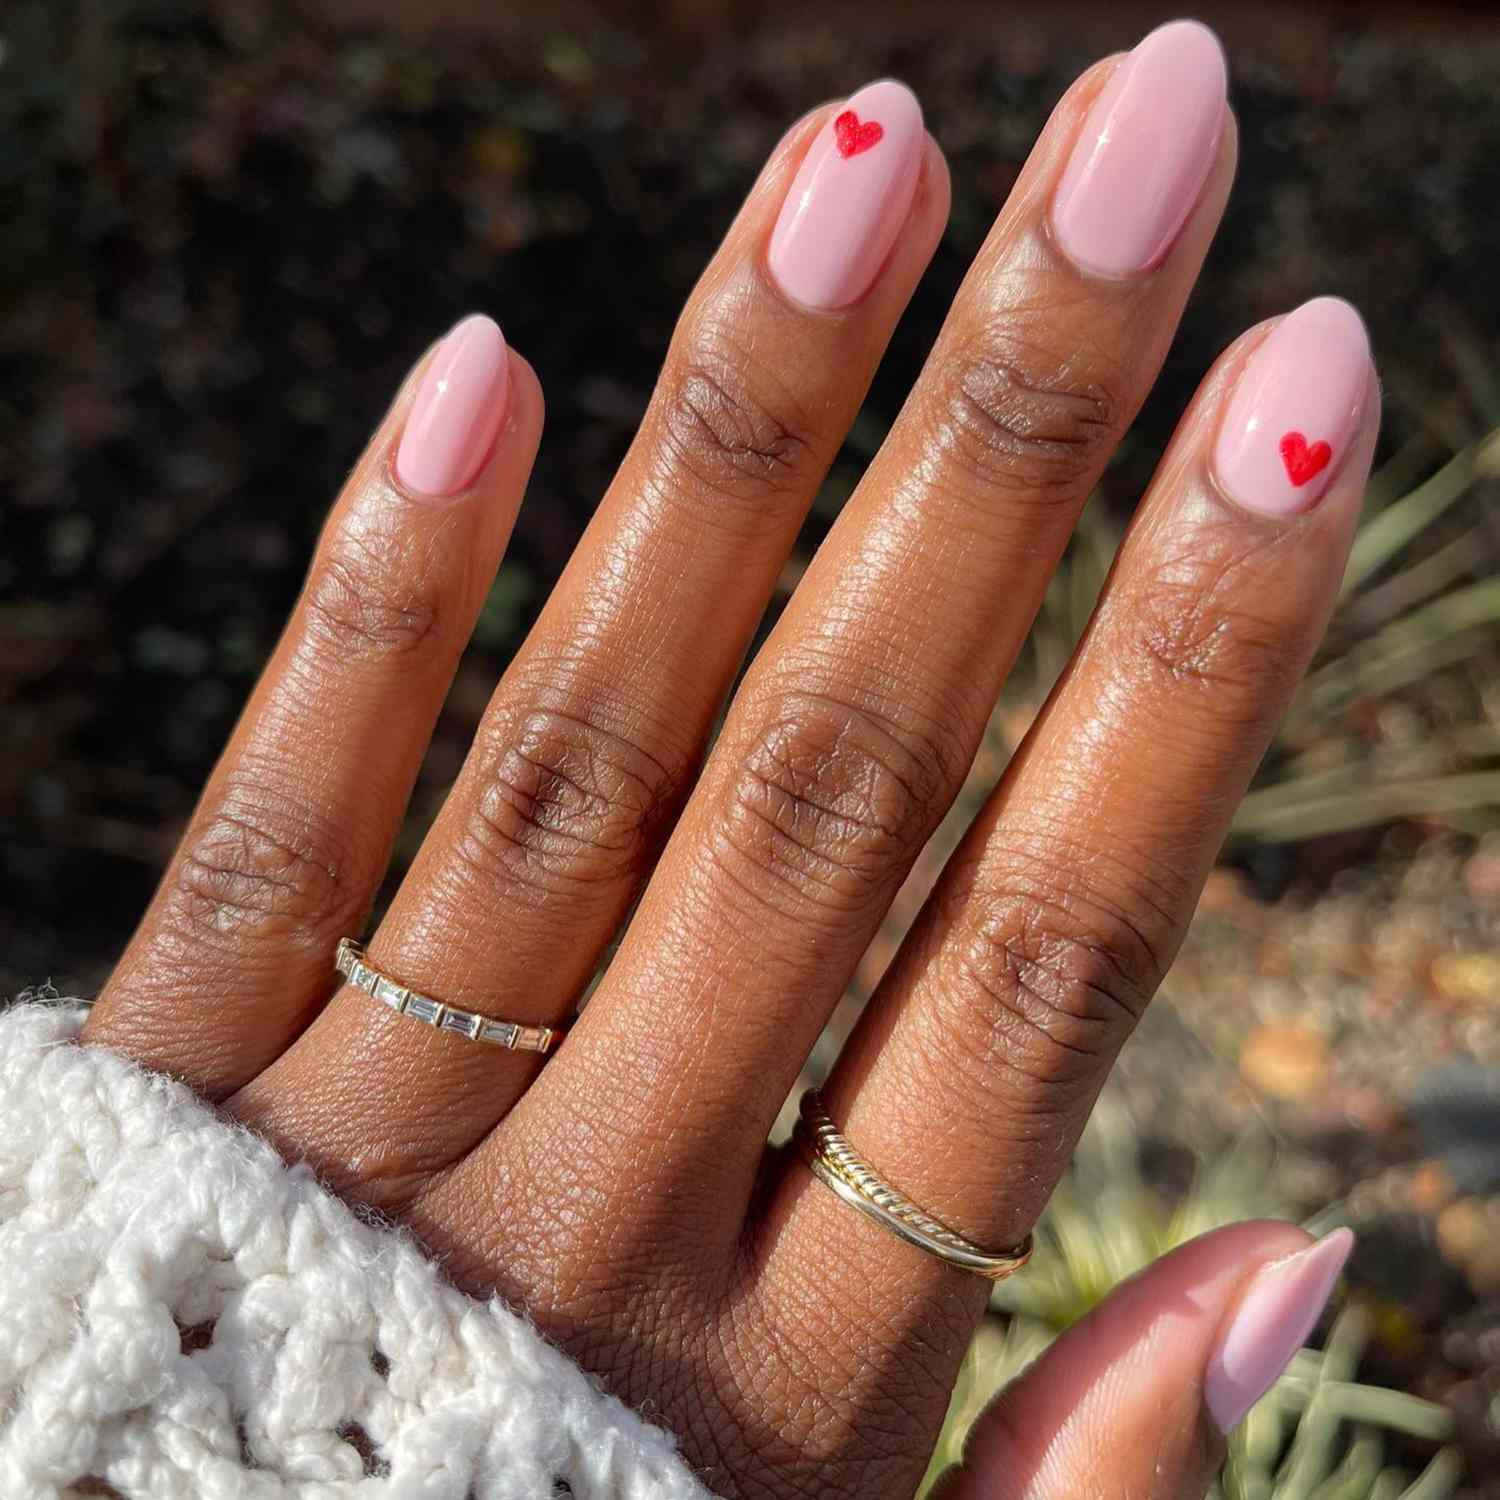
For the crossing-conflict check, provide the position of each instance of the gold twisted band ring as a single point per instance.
(836, 1164)
(350, 962)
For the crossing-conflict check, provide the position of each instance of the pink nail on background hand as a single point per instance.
(850, 198)
(1295, 410)
(457, 411)
(1144, 153)
(1277, 1312)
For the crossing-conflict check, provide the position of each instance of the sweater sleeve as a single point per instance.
(183, 1315)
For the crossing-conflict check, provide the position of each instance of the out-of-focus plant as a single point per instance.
(1396, 719)
(1318, 1435)
(1408, 612)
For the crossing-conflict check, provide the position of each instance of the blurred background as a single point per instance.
(227, 231)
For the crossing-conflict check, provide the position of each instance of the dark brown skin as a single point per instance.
(622, 1193)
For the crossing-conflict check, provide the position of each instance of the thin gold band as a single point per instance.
(836, 1164)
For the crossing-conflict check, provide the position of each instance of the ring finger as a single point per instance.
(595, 732)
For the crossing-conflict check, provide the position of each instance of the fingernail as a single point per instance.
(457, 411)
(1295, 410)
(850, 198)
(1277, 1312)
(1144, 153)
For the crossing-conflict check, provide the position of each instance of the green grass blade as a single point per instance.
(1401, 472)
(1439, 1479)
(1402, 592)
(1337, 813)
(1352, 1479)
(1403, 652)
(1393, 1410)
(1385, 534)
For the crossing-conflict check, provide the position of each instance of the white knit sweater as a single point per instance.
(182, 1315)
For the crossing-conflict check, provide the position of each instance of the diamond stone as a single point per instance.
(423, 1008)
(391, 993)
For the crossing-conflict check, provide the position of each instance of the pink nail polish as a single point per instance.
(850, 198)
(1275, 1316)
(1144, 153)
(1295, 410)
(457, 411)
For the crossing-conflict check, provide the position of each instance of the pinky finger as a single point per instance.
(288, 844)
(1135, 1400)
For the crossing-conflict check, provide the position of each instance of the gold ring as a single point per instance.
(836, 1164)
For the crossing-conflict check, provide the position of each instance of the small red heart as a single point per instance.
(1303, 461)
(853, 135)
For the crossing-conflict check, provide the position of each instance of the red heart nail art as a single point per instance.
(853, 135)
(1303, 461)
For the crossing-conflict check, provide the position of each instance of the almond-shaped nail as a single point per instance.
(457, 411)
(1144, 153)
(1295, 410)
(850, 198)
(1278, 1310)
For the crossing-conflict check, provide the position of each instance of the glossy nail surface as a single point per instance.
(1274, 1317)
(1295, 410)
(1143, 154)
(850, 198)
(457, 411)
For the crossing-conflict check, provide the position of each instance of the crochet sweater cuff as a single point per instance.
(183, 1315)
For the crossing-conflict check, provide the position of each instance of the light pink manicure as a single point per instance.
(850, 198)
(1271, 1323)
(1144, 153)
(1295, 410)
(457, 411)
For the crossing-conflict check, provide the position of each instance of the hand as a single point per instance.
(622, 1193)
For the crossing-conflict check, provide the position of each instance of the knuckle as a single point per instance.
(1017, 417)
(733, 440)
(1194, 624)
(371, 595)
(829, 801)
(259, 867)
(1057, 984)
(567, 801)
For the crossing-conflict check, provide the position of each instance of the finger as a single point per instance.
(1135, 1399)
(597, 728)
(854, 727)
(975, 1066)
(288, 844)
